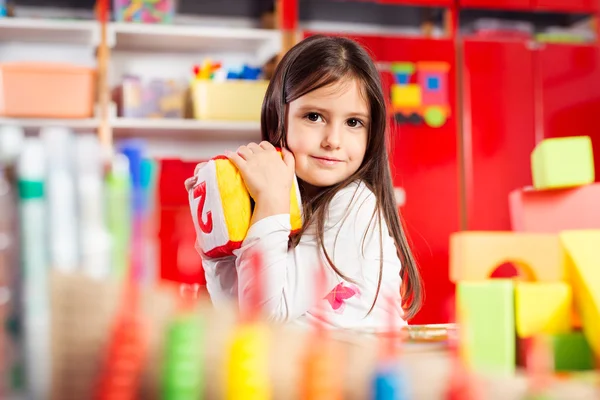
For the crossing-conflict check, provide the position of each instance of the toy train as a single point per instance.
(420, 93)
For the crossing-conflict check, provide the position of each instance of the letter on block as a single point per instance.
(583, 263)
(572, 352)
(474, 255)
(542, 308)
(486, 310)
(553, 211)
(562, 162)
(221, 208)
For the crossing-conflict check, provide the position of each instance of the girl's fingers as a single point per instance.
(266, 145)
(288, 159)
(244, 152)
(190, 182)
(236, 159)
(254, 148)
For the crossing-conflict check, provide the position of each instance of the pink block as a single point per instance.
(552, 211)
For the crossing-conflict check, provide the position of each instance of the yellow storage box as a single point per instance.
(235, 100)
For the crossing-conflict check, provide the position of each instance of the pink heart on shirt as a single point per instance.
(338, 296)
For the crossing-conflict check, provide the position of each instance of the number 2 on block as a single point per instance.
(200, 192)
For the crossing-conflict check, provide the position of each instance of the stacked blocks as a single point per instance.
(562, 162)
(561, 265)
(222, 209)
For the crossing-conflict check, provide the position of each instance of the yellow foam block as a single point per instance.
(221, 208)
(474, 255)
(542, 308)
(562, 162)
(583, 264)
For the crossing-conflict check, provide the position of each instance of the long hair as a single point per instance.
(316, 62)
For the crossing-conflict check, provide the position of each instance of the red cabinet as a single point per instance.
(498, 4)
(569, 94)
(514, 96)
(424, 163)
(567, 5)
(498, 130)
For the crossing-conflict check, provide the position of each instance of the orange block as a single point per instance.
(552, 211)
(474, 255)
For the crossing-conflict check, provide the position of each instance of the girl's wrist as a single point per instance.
(270, 206)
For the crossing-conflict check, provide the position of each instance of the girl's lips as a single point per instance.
(327, 160)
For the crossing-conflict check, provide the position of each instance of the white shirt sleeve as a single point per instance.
(221, 278)
(353, 242)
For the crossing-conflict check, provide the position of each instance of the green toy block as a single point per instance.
(562, 163)
(486, 310)
(572, 352)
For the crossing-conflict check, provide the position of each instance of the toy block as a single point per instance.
(542, 308)
(572, 352)
(562, 162)
(475, 254)
(583, 260)
(486, 310)
(553, 211)
(221, 207)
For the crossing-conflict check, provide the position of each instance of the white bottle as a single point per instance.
(61, 198)
(35, 266)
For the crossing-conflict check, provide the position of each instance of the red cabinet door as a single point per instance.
(424, 163)
(567, 5)
(498, 131)
(569, 79)
(498, 4)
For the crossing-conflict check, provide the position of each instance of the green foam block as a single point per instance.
(572, 352)
(487, 311)
(562, 163)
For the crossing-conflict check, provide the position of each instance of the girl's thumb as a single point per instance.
(288, 158)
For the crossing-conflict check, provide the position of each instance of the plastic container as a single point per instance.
(42, 90)
(235, 100)
(145, 11)
(158, 98)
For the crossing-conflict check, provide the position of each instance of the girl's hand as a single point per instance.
(267, 176)
(190, 182)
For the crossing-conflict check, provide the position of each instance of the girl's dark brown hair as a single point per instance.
(320, 61)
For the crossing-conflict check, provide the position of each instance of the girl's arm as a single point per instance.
(289, 277)
(221, 278)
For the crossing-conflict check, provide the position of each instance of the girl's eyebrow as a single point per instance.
(308, 107)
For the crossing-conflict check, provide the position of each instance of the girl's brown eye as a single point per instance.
(353, 123)
(314, 117)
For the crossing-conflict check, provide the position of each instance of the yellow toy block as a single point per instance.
(562, 162)
(542, 308)
(221, 207)
(474, 255)
(406, 95)
(583, 264)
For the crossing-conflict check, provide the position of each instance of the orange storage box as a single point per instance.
(43, 90)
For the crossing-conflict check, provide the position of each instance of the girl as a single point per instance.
(326, 109)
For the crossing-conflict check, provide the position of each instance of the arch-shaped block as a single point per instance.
(475, 254)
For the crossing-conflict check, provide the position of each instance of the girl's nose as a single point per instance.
(333, 137)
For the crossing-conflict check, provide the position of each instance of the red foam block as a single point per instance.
(552, 211)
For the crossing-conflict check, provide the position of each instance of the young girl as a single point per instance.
(326, 109)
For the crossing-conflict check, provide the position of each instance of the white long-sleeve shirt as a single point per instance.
(352, 240)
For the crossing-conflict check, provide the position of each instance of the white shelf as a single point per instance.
(263, 43)
(49, 31)
(164, 128)
(37, 123)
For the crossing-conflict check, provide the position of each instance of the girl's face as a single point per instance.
(327, 131)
